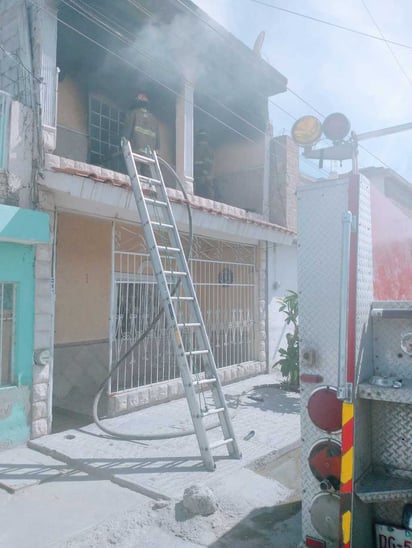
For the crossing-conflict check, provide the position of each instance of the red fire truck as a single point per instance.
(355, 326)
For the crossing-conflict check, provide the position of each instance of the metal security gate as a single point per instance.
(224, 276)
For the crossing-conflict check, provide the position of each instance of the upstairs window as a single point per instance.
(105, 131)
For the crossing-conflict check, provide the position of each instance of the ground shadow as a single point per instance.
(271, 397)
(181, 513)
(11, 474)
(264, 527)
(63, 419)
(95, 469)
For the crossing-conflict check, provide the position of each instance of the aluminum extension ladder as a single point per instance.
(183, 316)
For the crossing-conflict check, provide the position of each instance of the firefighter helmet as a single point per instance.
(142, 97)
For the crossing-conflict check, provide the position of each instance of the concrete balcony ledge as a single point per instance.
(95, 190)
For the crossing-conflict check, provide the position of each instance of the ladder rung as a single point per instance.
(220, 442)
(143, 159)
(189, 324)
(177, 298)
(149, 180)
(213, 411)
(161, 225)
(155, 202)
(174, 273)
(203, 381)
(167, 248)
(196, 352)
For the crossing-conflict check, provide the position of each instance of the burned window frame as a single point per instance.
(105, 126)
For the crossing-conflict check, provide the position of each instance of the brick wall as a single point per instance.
(283, 180)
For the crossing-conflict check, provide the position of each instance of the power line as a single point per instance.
(93, 18)
(16, 59)
(108, 50)
(376, 157)
(330, 24)
(129, 42)
(402, 69)
(307, 103)
(142, 71)
(382, 38)
(196, 14)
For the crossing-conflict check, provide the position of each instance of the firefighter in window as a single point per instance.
(142, 130)
(203, 166)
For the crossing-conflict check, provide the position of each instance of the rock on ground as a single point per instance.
(199, 499)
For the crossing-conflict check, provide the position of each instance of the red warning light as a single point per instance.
(336, 126)
(315, 543)
(325, 410)
(325, 462)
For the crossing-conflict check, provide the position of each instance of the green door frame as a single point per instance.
(17, 266)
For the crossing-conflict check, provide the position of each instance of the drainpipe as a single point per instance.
(266, 175)
(53, 310)
(266, 215)
(267, 308)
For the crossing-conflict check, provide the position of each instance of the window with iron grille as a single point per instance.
(224, 276)
(7, 329)
(105, 131)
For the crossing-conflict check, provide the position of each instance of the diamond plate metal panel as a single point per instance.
(361, 534)
(320, 210)
(392, 436)
(390, 418)
(364, 284)
(389, 513)
(389, 359)
(397, 395)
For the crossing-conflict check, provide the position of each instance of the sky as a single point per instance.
(333, 70)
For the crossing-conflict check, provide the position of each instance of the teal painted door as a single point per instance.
(16, 341)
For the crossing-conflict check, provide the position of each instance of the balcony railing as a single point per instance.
(5, 102)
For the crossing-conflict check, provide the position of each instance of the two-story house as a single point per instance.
(75, 67)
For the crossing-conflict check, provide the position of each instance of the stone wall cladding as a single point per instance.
(145, 396)
(7, 196)
(262, 304)
(43, 332)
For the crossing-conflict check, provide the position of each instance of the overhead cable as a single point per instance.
(395, 57)
(329, 23)
(145, 54)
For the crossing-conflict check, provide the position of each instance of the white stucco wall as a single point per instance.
(282, 276)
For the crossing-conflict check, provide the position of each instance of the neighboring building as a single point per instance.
(25, 296)
(391, 222)
(391, 201)
(74, 67)
(392, 185)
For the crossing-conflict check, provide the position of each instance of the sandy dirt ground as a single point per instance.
(258, 499)
(247, 517)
